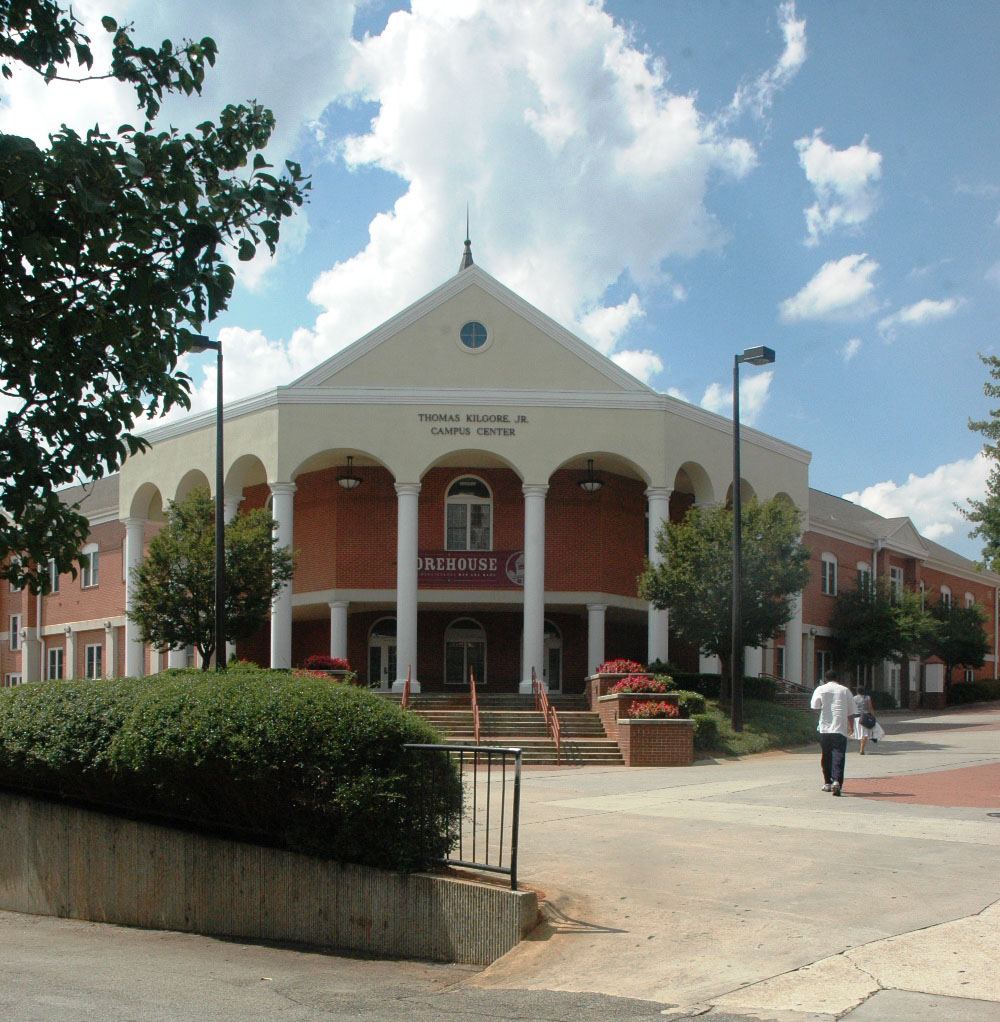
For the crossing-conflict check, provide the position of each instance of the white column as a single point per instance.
(111, 653)
(595, 636)
(230, 505)
(709, 664)
(407, 505)
(533, 634)
(753, 661)
(133, 555)
(69, 653)
(177, 658)
(338, 628)
(31, 654)
(793, 642)
(658, 642)
(282, 509)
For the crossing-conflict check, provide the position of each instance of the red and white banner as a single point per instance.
(482, 569)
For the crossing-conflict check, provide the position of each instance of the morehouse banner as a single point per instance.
(481, 569)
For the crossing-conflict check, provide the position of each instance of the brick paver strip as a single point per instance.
(965, 786)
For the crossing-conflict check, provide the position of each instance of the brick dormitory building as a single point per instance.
(469, 485)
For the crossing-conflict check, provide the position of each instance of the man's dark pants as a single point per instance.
(833, 752)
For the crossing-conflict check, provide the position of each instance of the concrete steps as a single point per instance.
(512, 720)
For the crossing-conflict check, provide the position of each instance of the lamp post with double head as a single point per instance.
(758, 357)
(201, 343)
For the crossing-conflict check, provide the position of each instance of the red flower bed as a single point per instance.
(322, 662)
(619, 667)
(637, 683)
(653, 711)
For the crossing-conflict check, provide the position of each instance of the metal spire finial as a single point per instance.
(467, 255)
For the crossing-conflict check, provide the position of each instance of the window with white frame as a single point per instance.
(53, 576)
(779, 661)
(895, 583)
(55, 666)
(15, 631)
(969, 674)
(824, 663)
(923, 593)
(15, 588)
(89, 561)
(468, 515)
(93, 659)
(828, 575)
(969, 600)
(946, 596)
(864, 575)
(11, 679)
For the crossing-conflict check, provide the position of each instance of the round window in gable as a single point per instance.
(473, 335)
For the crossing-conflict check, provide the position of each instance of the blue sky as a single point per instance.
(673, 181)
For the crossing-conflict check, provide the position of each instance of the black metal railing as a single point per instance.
(486, 831)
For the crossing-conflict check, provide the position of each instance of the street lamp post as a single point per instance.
(200, 344)
(754, 356)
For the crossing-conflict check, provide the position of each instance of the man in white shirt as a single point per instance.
(836, 721)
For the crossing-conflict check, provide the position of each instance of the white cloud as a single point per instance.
(927, 310)
(754, 392)
(605, 325)
(759, 95)
(844, 183)
(993, 273)
(558, 95)
(643, 365)
(842, 289)
(929, 501)
(851, 348)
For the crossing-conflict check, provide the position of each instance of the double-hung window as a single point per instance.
(828, 575)
(15, 631)
(55, 663)
(93, 658)
(89, 564)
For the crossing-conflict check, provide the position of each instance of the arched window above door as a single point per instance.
(468, 515)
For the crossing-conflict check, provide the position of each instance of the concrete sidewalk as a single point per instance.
(741, 887)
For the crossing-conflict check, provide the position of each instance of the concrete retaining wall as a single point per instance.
(64, 861)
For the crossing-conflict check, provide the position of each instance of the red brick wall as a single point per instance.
(656, 742)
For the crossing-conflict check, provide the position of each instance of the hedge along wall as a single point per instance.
(76, 863)
(296, 761)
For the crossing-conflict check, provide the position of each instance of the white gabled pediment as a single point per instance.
(420, 348)
(901, 535)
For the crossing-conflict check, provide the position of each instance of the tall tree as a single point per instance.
(961, 639)
(112, 256)
(174, 604)
(695, 577)
(985, 513)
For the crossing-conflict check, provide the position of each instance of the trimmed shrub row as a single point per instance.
(303, 762)
(973, 692)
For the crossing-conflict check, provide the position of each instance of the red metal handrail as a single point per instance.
(405, 701)
(548, 712)
(475, 707)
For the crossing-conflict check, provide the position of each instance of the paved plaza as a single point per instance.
(726, 890)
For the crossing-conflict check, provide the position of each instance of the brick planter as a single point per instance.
(656, 743)
(614, 707)
(599, 684)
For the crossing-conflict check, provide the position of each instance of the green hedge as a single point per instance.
(973, 692)
(706, 731)
(303, 762)
(708, 685)
(691, 703)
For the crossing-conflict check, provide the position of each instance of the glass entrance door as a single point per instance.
(382, 654)
(464, 651)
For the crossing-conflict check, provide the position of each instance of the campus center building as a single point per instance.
(469, 488)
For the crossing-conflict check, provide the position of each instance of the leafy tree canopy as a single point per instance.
(174, 604)
(961, 636)
(695, 578)
(112, 255)
(985, 514)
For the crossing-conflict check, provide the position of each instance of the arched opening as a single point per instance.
(468, 515)
(552, 665)
(382, 653)
(464, 652)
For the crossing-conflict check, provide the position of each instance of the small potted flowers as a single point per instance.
(633, 690)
